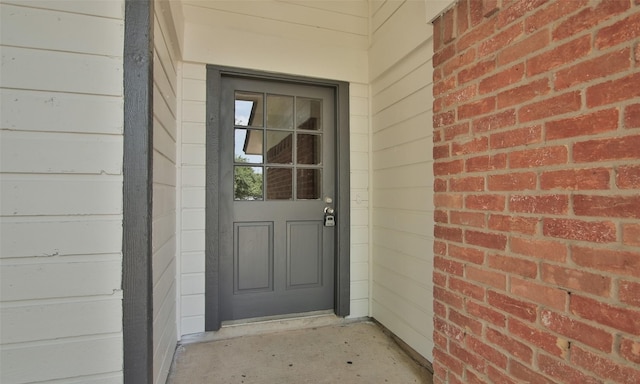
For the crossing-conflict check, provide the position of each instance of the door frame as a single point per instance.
(342, 184)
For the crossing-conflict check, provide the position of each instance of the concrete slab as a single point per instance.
(350, 353)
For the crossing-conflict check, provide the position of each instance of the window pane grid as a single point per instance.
(276, 159)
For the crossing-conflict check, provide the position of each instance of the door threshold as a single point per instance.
(270, 324)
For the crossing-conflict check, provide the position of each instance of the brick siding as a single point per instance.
(537, 204)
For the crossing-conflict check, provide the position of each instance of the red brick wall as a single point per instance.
(537, 166)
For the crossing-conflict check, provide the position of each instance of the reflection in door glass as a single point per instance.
(248, 146)
(279, 147)
(308, 184)
(309, 149)
(279, 112)
(248, 109)
(247, 183)
(308, 112)
(279, 183)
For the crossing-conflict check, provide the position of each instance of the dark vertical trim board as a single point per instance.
(137, 283)
(343, 204)
(212, 291)
(343, 186)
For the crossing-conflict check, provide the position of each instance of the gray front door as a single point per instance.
(277, 177)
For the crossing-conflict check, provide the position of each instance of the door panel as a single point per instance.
(253, 257)
(277, 175)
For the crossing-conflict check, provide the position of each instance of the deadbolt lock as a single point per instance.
(329, 217)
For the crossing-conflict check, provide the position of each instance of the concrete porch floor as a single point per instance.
(313, 350)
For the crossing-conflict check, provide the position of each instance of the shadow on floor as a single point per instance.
(348, 353)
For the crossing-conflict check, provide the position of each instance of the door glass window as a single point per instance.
(308, 184)
(280, 182)
(279, 147)
(279, 111)
(248, 145)
(309, 149)
(309, 114)
(292, 168)
(249, 109)
(247, 183)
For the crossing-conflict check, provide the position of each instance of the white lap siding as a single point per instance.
(165, 133)
(402, 207)
(61, 155)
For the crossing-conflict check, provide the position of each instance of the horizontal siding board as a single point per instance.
(359, 289)
(192, 305)
(331, 55)
(359, 216)
(403, 199)
(420, 342)
(413, 315)
(26, 323)
(193, 133)
(402, 133)
(412, 105)
(61, 195)
(193, 176)
(359, 142)
(192, 283)
(163, 86)
(359, 106)
(398, 36)
(164, 229)
(359, 235)
(163, 257)
(416, 293)
(359, 181)
(164, 170)
(38, 152)
(193, 154)
(60, 280)
(193, 111)
(359, 8)
(404, 67)
(192, 262)
(192, 241)
(403, 242)
(193, 219)
(359, 124)
(61, 359)
(59, 31)
(164, 288)
(60, 236)
(409, 222)
(409, 176)
(359, 308)
(359, 253)
(406, 85)
(163, 114)
(382, 11)
(60, 112)
(192, 197)
(194, 71)
(165, 342)
(288, 14)
(163, 58)
(192, 324)
(407, 266)
(61, 71)
(109, 9)
(410, 153)
(164, 200)
(163, 142)
(359, 271)
(194, 90)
